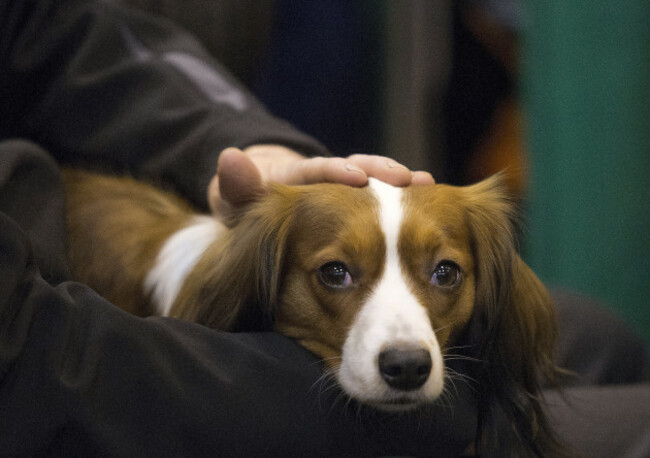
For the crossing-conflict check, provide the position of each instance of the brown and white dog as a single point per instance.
(380, 282)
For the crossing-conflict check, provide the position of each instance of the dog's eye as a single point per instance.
(446, 274)
(335, 274)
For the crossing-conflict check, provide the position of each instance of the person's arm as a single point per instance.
(97, 84)
(101, 86)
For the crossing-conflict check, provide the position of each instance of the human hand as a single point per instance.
(242, 175)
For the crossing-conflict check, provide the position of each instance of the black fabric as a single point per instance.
(603, 421)
(79, 377)
(30, 182)
(595, 345)
(99, 85)
(603, 410)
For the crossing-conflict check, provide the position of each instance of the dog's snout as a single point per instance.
(405, 369)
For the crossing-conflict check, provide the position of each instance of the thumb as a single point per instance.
(237, 183)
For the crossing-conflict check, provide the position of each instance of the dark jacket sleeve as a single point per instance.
(96, 84)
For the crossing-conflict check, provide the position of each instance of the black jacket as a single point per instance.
(96, 84)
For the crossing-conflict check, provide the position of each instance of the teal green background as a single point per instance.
(586, 88)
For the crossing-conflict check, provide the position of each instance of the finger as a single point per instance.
(214, 196)
(239, 181)
(382, 168)
(421, 178)
(330, 170)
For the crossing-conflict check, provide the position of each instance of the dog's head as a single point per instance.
(385, 283)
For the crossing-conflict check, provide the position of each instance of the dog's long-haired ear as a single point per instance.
(514, 325)
(234, 286)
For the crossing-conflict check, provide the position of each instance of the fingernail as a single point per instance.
(352, 168)
(232, 149)
(421, 177)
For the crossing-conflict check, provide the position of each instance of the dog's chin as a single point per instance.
(397, 403)
(381, 397)
(396, 406)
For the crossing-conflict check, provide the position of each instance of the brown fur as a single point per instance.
(514, 331)
(115, 227)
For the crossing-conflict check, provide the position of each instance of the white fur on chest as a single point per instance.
(177, 258)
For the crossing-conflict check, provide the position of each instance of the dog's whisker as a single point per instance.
(331, 358)
(448, 325)
(327, 388)
(446, 395)
(459, 375)
(328, 377)
(451, 384)
(457, 347)
(452, 376)
(450, 391)
(325, 360)
(445, 400)
(340, 396)
(454, 357)
(460, 349)
(327, 382)
(321, 381)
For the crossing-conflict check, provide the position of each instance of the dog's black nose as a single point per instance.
(405, 369)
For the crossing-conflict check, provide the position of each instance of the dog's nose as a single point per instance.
(405, 369)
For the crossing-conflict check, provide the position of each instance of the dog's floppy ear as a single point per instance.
(513, 328)
(241, 273)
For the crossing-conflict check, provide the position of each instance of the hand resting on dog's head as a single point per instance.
(243, 175)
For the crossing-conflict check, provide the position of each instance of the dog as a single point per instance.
(380, 282)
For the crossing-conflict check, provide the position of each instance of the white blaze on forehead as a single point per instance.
(390, 212)
(177, 258)
(392, 316)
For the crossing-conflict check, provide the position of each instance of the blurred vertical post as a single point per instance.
(586, 87)
(414, 75)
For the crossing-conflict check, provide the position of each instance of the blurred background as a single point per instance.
(555, 93)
